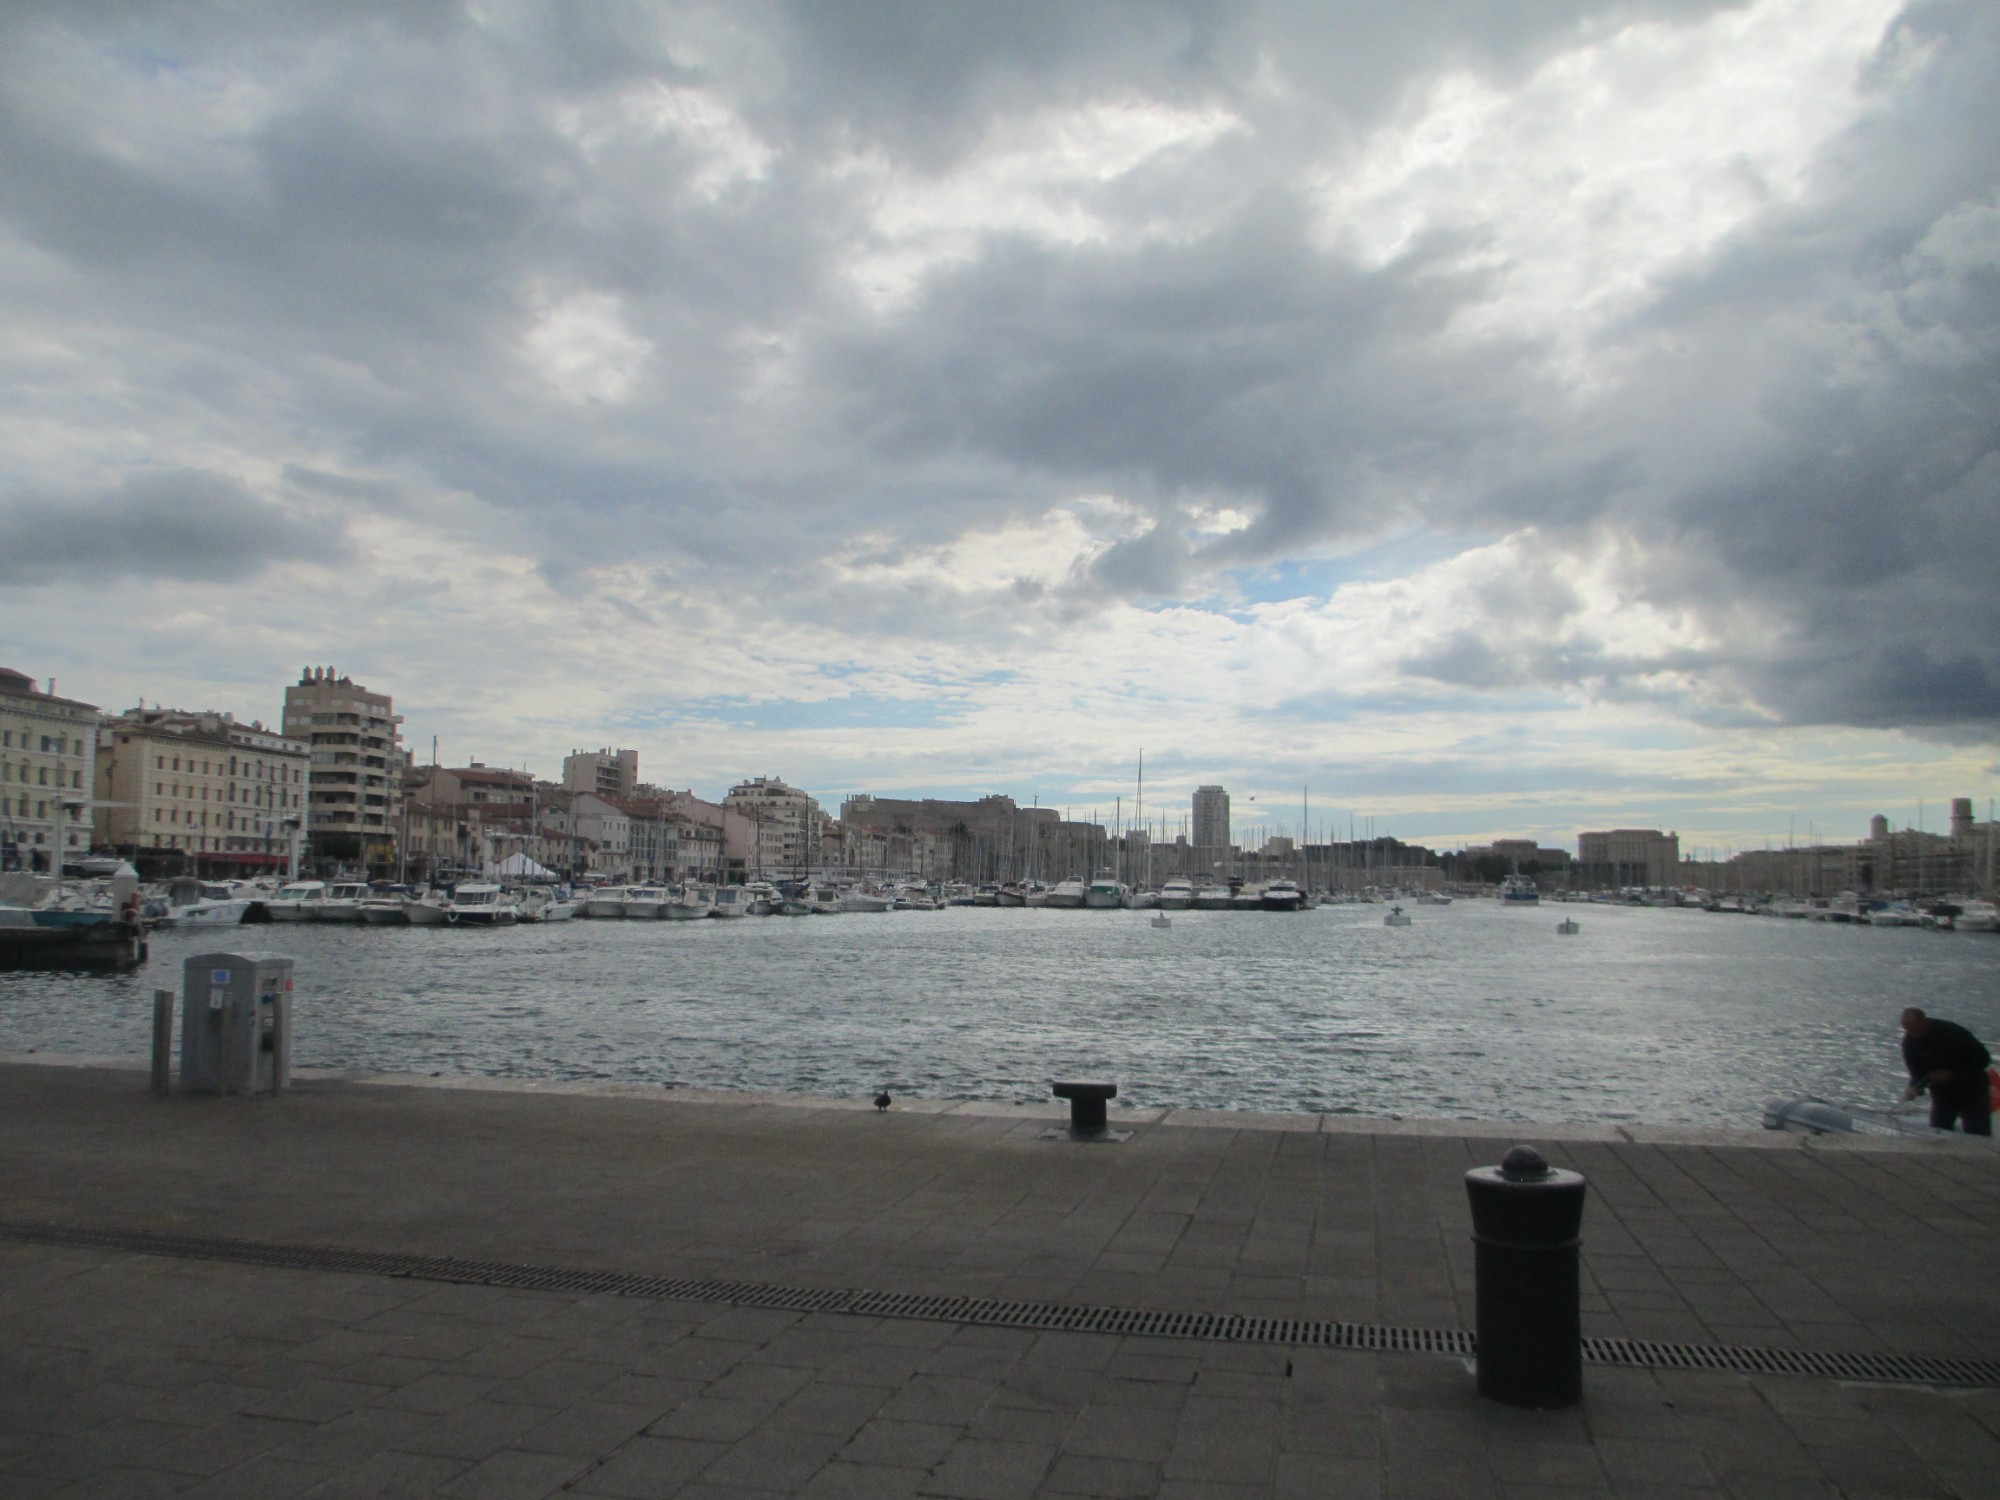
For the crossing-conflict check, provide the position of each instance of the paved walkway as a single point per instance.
(125, 1374)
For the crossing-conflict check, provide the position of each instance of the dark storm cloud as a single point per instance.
(1801, 443)
(180, 524)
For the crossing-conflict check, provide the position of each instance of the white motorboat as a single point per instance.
(694, 901)
(1035, 894)
(1567, 927)
(220, 904)
(860, 898)
(1396, 918)
(478, 904)
(605, 901)
(299, 901)
(384, 911)
(1283, 895)
(1432, 898)
(647, 903)
(1977, 916)
(431, 910)
(732, 901)
(1105, 893)
(1177, 894)
(763, 897)
(1067, 894)
(1010, 895)
(1896, 914)
(1213, 898)
(823, 897)
(1518, 890)
(343, 902)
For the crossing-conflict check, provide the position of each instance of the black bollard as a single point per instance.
(1526, 1223)
(1087, 1119)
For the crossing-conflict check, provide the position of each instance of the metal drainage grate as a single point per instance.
(993, 1313)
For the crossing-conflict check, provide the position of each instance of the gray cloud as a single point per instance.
(1802, 448)
(178, 524)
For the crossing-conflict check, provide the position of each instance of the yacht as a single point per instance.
(220, 904)
(1518, 890)
(478, 904)
(1283, 895)
(860, 898)
(606, 901)
(647, 902)
(1213, 898)
(1105, 893)
(299, 901)
(1010, 895)
(343, 902)
(1177, 894)
(1977, 916)
(694, 901)
(732, 901)
(823, 896)
(763, 897)
(384, 908)
(428, 910)
(1067, 894)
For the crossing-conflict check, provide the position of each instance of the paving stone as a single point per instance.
(774, 1458)
(389, 1476)
(1102, 1478)
(514, 1474)
(890, 1443)
(979, 1469)
(648, 1466)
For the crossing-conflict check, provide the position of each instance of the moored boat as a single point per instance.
(1177, 894)
(1067, 894)
(1283, 895)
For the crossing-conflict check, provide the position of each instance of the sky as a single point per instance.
(1455, 419)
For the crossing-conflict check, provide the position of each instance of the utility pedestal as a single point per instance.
(236, 1033)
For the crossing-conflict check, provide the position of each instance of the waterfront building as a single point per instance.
(354, 788)
(1628, 856)
(786, 824)
(48, 774)
(212, 794)
(1211, 825)
(990, 838)
(605, 773)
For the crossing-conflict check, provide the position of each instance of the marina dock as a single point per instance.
(404, 1286)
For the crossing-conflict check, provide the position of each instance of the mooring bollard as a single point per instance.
(1086, 1108)
(163, 1041)
(1526, 1223)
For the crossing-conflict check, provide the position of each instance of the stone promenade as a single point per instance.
(158, 1374)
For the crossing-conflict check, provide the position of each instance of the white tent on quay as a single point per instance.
(519, 867)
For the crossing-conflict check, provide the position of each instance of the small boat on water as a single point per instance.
(1105, 893)
(1067, 894)
(693, 903)
(1177, 894)
(861, 898)
(732, 901)
(298, 901)
(1010, 895)
(1161, 919)
(1567, 927)
(343, 902)
(1810, 1116)
(1977, 916)
(1213, 898)
(647, 903)
(1518, 890)
(385, 908)
(1396, 918)
(1283, 895)
(222, 903)
(605, 901)
(478, 904)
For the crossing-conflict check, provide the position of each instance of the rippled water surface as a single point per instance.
(1473, 1012)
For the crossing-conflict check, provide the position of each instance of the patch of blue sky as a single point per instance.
(1320, 578)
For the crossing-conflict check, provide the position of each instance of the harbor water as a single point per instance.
(1474, 1011)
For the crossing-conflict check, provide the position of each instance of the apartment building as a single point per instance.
(603, 773)
(48, 773)
(786, 824)
(1628, 856)
(1211, 824)
(354, 791)
(200, 784)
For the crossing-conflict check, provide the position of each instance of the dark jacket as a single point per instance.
(1950, 1046)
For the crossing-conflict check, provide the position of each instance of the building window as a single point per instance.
(42, 776)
